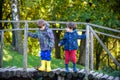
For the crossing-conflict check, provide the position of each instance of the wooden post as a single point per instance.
(25, 47)
(87, 53)
(1, 48)
(91, 51)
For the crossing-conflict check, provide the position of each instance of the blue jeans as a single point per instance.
(46, 55)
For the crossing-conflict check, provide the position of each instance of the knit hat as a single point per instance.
(71, 25)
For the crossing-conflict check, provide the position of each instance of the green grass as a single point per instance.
(12, 58)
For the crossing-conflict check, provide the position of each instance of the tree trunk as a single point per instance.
(98, 51)
(1, 48)
(57, 39)
(1, 5)
(81, 59)
(17, 35)
(1, 52)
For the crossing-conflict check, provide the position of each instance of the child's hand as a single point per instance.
(58, 44)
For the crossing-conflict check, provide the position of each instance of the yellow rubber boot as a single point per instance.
(48, 66)
(42, 67)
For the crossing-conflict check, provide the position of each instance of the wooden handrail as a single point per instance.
(88, 29)
(105, 48)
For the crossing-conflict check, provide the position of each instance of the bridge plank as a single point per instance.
(110, 78)
(117, 78)
(59, 73)
(98, 76)
(81, 74)
(104, 77)
(9, 72)
(95, 73)
(90, 75)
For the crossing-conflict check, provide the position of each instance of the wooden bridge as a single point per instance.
(14, 73)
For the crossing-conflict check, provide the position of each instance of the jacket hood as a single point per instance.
(47, 25)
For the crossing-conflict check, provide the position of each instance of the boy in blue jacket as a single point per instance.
(70, 44)
(46, 39)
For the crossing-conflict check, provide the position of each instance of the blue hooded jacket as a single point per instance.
(45, 37)
(70, 40)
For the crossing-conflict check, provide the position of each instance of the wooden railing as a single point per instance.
(89, 41)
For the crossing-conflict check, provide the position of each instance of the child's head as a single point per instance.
(41, 24)
(71, 25)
